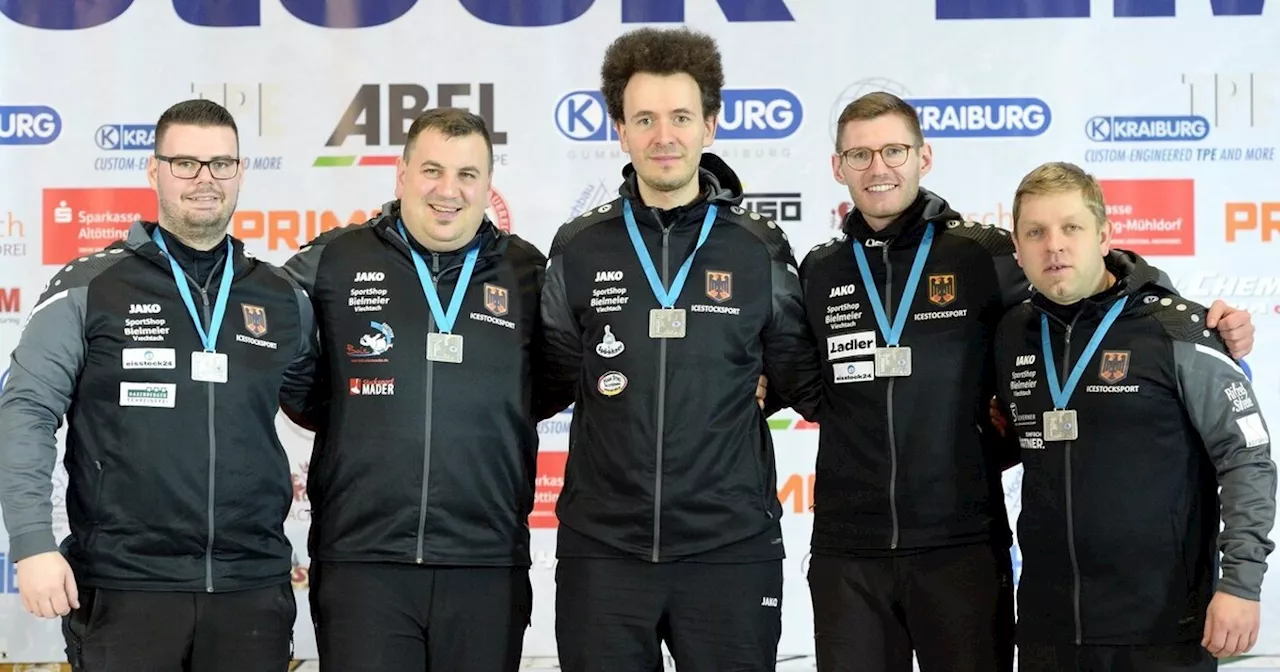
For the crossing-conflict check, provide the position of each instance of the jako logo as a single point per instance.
(748, 114)
(70, 15)
(1025, 360)
(1144, 129)
(982, 117)
(608, 276)
(1079, 9)
(144, 308)
(29, 124)
(370, 276)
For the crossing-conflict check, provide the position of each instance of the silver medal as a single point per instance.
(444, 348)
(666, 323)
(893, 362)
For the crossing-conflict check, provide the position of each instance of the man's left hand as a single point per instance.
(762, 387)
(1235, 325)
(1230, 625)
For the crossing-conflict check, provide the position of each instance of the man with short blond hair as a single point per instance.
(1119, 526)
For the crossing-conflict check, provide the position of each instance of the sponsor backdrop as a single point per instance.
(1184, 138)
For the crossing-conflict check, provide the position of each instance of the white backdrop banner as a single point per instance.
(1172, 103)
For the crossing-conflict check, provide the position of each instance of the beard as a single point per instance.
(199, 228)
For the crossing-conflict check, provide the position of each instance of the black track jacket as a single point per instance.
(421, 461)
(1119, 528)
(910, 462)
(174, 484)
(670, 456)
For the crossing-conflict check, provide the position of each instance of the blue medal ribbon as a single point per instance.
(666, 298)
(444, 321)
(208, 339)
(893, 334)
(1061, 395)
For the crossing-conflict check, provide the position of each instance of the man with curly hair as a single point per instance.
(669, 516)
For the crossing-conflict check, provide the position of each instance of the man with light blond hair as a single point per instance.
(1120, 519)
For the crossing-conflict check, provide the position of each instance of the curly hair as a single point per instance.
(662, 52)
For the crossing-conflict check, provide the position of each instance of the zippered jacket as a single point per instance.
(1119, 527)
(669, 455)
(910, 462)
(173, 484)
(418, 460)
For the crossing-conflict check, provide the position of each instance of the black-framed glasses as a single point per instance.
(893, 155)
(187, 167)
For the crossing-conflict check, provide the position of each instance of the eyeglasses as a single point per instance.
(860, 158)
(186, 167)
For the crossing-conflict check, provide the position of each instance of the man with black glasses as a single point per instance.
(168, 352)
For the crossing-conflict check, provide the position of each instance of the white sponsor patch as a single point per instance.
(148, 358)
(851, 345)
(150, 395)
(854, 372)
(1239, 396)
(609, 346)
(1255, 434)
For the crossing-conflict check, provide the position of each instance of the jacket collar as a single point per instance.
(1135, 278)
(718, 184)
(907, 229)
(139, 242)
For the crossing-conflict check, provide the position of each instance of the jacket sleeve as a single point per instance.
(301, 396)
(1012, 280)
(791, 362)
(42, 381)
(298, 385)
(1011, 289)
(557, 361)
(1005, 449)
(1219, 400)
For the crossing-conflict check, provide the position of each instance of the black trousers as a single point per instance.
(1185, 657)
(953, 606)
(137, 631)
(371, 617)
(612, 615)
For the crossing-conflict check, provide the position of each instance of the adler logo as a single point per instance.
(608, 276)
(144, 308)
(370, 276)
(842, 290)
(851, 345)
(1025, 360)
